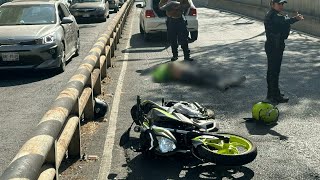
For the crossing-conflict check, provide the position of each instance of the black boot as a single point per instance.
(271, 100)
(188, 59)
(186, 52)
(174, 58)
(282, 99)
(174, 49)
(276, 99)
(271, 94)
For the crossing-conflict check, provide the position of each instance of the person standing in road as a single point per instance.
(277, 28)
(177, 27)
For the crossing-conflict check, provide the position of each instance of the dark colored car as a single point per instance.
(37, 35)
(88, 9)
(114, 4)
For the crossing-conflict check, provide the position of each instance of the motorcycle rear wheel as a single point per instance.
(238, 151)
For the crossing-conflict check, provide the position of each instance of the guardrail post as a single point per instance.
(96, 79)
(89, 107)
(88, 110)
(120, 26)
(103, 66)
(119, 32)
(115, 40)
(108, 56)
(51, 159)
(74, 148)
(112, 47)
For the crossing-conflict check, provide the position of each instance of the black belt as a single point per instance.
(175, 19)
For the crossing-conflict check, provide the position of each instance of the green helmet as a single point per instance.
(265, 112)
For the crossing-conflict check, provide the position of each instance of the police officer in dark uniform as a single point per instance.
(177, 28)
(277, 28)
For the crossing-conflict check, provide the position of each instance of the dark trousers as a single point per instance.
(178, 34)
(274, 54)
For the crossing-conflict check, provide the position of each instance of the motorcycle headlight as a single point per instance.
(47, 39)
(165, 144)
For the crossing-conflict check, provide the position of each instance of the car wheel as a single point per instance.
(62, 60)
(103, 19)
(116, 9)
(77, 47)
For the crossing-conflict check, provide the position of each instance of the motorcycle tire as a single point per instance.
(239, 151)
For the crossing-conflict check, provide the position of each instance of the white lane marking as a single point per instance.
(106, 159)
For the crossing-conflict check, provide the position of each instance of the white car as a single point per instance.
(153, 20)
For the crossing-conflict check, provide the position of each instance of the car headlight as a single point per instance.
(47, 39)
(165, 144)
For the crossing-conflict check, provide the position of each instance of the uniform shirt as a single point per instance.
(176, 13)
(277, 25)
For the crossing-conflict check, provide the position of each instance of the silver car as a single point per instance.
(88, 9)
(37, 35)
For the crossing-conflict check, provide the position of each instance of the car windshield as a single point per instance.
(83, 1)
(27, 14)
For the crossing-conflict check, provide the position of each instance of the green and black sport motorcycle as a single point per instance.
(186, 128)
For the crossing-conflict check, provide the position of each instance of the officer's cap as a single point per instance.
(279, 1)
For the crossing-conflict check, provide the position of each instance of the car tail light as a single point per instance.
(193, 12)
(149, 14)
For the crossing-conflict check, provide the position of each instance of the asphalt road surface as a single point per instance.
(227, 42)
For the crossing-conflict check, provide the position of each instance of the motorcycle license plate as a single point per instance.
(11, 56)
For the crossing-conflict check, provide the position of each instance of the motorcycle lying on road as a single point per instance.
(186, 127)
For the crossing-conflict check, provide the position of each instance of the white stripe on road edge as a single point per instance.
(106, 159)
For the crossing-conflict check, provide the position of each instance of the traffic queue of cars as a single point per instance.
(44, 34)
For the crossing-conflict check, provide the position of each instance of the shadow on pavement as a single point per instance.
(180, 166)
(157, 40)
(82, 22)
(255, 128)
(14, 78)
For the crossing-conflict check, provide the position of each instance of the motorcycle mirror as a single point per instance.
(137, 129)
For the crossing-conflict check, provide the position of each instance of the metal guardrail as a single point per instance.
(59, 129)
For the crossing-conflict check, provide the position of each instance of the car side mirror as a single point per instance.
(139, 6)
(66, 20)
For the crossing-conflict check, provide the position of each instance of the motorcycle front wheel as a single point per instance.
(238, 151)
